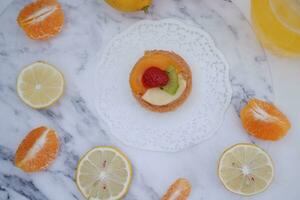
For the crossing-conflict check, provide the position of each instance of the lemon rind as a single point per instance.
(239, 192)
(45, 106)
(122, 155)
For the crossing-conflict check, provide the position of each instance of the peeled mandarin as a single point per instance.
(264, 120)
(41, 19)
(179, 190)
(38, 150)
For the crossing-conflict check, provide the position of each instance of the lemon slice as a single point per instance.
(246, 169)
(40, 85)
(104, 173)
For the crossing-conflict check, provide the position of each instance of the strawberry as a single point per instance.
(155, 77)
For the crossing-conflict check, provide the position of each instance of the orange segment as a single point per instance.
(41, 19)
(38, 149)
(263, 120)
(179, 190)
(158, 59)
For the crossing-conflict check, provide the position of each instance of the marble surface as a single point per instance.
(90, 25)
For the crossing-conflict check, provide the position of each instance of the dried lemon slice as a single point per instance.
(104, 173)
(40, 85)
(246, 169)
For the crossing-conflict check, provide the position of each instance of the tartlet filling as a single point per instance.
(158, 97)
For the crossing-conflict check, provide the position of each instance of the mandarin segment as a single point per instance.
(27, 144)
(41, 19)
(264, 120)
(179, 190)
(38, 150)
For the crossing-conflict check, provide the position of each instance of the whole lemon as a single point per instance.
(130, 5)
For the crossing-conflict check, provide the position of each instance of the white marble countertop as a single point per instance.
(153, 172)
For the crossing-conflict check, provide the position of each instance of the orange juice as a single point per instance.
(277, 25)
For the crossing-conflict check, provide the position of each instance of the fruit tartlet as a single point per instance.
(161, 81)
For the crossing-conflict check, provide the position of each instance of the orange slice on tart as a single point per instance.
(161, 80)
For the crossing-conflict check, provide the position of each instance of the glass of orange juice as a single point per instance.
(277, 25)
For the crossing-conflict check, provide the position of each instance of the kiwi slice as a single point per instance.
(172, 85)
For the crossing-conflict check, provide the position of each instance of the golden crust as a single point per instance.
(186, 73)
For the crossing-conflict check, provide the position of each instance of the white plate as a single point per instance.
(196, 120)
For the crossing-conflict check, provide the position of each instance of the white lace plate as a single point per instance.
(196, 120)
